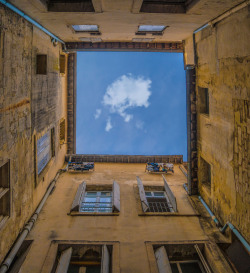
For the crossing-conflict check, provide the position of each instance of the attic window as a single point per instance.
(41, 64)
(151, 29)
(166, 6)
(85, 28)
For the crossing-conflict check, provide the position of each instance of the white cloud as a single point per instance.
(127, 92)
(108, 125)
(139, 124)
(97, 113)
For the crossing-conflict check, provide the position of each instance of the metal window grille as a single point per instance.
(158, 202)
(97, 202)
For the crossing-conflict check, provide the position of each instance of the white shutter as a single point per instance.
(170, 194)
(64, 260)
(116, 197)
(144, 201)
(162, 260)
(105, 260)
(78, 197)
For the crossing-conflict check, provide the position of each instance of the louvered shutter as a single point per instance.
(105, 260)
(116, 197)
(162, 260)
(64, 260)
(43, 151)
(78, 197)
(144, 201)
(170, 194)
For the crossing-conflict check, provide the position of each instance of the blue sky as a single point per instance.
(131, 103)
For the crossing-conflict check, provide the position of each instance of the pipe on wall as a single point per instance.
(27, 228)
(54, 38)
(228, 224)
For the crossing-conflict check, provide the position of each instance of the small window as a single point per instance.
(62, 131)
(92, 29)
(203, 100)
(88, 200)
(4, 193)
(151, 29)
(41, 64)
(205, 174)
(70, 6)
(62, 63)
(157, 201)
(90, 39)
(181, 259)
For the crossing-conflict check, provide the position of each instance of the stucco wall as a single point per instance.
(223, 135)
(30, 104)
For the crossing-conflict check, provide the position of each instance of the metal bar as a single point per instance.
(206, 267)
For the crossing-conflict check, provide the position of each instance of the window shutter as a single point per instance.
(105, 260)
(64, 260)
(170, 194)
(116, 196)
(78, 198)
(144, 201)
(162, 260)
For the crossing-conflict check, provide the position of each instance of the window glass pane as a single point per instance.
(105, 193)
(148, 193)
(91, 193)
(89, 199)
(151, 28)
(85, 27)
(105, 199)
(160, 194)
(190, 267)
(174, 268)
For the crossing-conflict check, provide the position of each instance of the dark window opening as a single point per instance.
(41, 64)
(166, 6)
(203, 100)
(4, 192)
(62, 131)
(62, 64)
(71, 6)
(158, 202)
(205, 173)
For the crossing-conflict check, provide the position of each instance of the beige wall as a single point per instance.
(224, 136)
(129, 229)
(30, 104)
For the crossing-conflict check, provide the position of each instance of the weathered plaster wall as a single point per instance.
(223, 135)
(129, 229)
(24, 99)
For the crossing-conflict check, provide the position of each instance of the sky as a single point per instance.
(131, 103)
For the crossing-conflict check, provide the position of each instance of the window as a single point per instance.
(151, 29)
(181, 259)
(62, 63)
(90, 39)
(205, 174)
(45, 149)
(41, 64)
(97, 199)
(166, 6)
(84, 258)
(70, 6)
(203, 100)
(4, 193)
(92, 29)
(62, 131)
(157, 201)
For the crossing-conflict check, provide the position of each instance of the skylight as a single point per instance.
(151, 28)
(85, 28)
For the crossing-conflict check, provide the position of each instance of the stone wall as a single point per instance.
(223, 67)
(30, 104)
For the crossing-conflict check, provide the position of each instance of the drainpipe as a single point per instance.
(228, 224)
(9, 259)
(54, 38)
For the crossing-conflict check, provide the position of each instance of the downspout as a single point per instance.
(9, 259)
(228, 224)
(54, 38)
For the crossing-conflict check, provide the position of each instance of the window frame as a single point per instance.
(153, 32)
(80, 195)
(91, 32)
(155, 197)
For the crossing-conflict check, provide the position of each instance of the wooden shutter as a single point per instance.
(105, 260)
(144, 201)
(116, 197)
(78, 197)
(43, 151)
(170, 194)
(64, 260)
(162, 260)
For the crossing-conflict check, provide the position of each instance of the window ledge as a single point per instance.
(168, 214)
(75, 213)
